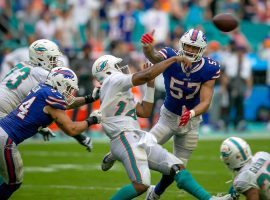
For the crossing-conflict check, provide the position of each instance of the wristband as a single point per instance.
(89, 98)
(149, 95)
(91, 120)
(192, 113)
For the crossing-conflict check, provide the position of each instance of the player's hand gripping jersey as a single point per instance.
(183, 84)
(17, 84)
(118, 109)
(255, 174)
(30, 112)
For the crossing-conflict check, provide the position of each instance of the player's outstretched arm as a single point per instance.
(150, 53)
(144, 108)
(80, 101)
(141, 77)
(70, 127)
(252, 194)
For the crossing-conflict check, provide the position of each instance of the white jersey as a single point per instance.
(17, 84)
(255, 174)
(118, 105)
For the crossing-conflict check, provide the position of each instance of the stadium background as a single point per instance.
(84, 30)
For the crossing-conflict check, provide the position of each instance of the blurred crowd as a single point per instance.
(85, 29)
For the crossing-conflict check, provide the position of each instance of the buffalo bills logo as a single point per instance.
(66, 73)
(102, 66)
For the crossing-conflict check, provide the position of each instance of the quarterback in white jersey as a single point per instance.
(136, 149)
(252, 177)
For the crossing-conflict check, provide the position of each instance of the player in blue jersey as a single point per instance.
(46, 103)
(189, 92)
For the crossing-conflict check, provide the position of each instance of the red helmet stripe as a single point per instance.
(194, 35)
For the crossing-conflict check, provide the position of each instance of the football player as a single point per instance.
(24, 76)
(137, 149)
(252, 173)
(189, 91)
(44, 104)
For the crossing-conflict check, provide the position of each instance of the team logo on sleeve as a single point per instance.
(102, 66)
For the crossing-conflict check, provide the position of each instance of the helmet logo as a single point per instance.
(66, 73)
(40, 50)
(225, 151)
(102, 65)
(194, 35)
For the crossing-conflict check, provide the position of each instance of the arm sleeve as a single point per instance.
(213, 70)
(167, 52)
(56, 100)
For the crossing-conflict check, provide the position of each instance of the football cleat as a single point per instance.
(225, 197)
(107, 162)
(151, 195)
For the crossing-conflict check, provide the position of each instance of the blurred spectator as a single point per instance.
(65, 29)
(46, 27)
(82, 66)
(127, 22)
(237, 80)
(265, 54)
(158, 20)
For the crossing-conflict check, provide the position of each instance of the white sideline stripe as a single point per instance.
(74, 187)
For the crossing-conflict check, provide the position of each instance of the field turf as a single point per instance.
(56, 171)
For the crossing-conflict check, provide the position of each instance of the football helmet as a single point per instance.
(192, 45)
(65, 81)
(235, 153)
(44, 53)
(106, 65)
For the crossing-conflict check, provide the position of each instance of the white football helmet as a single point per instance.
(194, 38)
(44, 53)
(106, 65)
(235, 153)
(65, 81)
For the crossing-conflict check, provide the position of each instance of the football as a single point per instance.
(225, 22)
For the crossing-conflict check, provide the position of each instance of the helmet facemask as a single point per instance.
(68, 93)
(192, 52)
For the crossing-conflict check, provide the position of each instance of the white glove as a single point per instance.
(46, 133)
(95, 93)
(97, 114)
(87, 142)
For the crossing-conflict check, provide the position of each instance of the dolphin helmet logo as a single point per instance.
(102, 66)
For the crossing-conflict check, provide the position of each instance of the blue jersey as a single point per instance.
(28, 117)
(183, 85)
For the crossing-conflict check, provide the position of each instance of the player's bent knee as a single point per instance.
(140, 188)
(176, 168)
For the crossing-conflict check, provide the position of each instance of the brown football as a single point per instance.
(225, 22)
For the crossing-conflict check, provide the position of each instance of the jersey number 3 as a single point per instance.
(177, 92)
(24, 108)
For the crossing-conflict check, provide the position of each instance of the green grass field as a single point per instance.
(66, 171)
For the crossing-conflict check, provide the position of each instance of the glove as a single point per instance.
(96, 93)
(85, 141)
(92, 97)
(185, 117)
(97, 114)
(46, 133)
(234, 194)
(147, 38)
